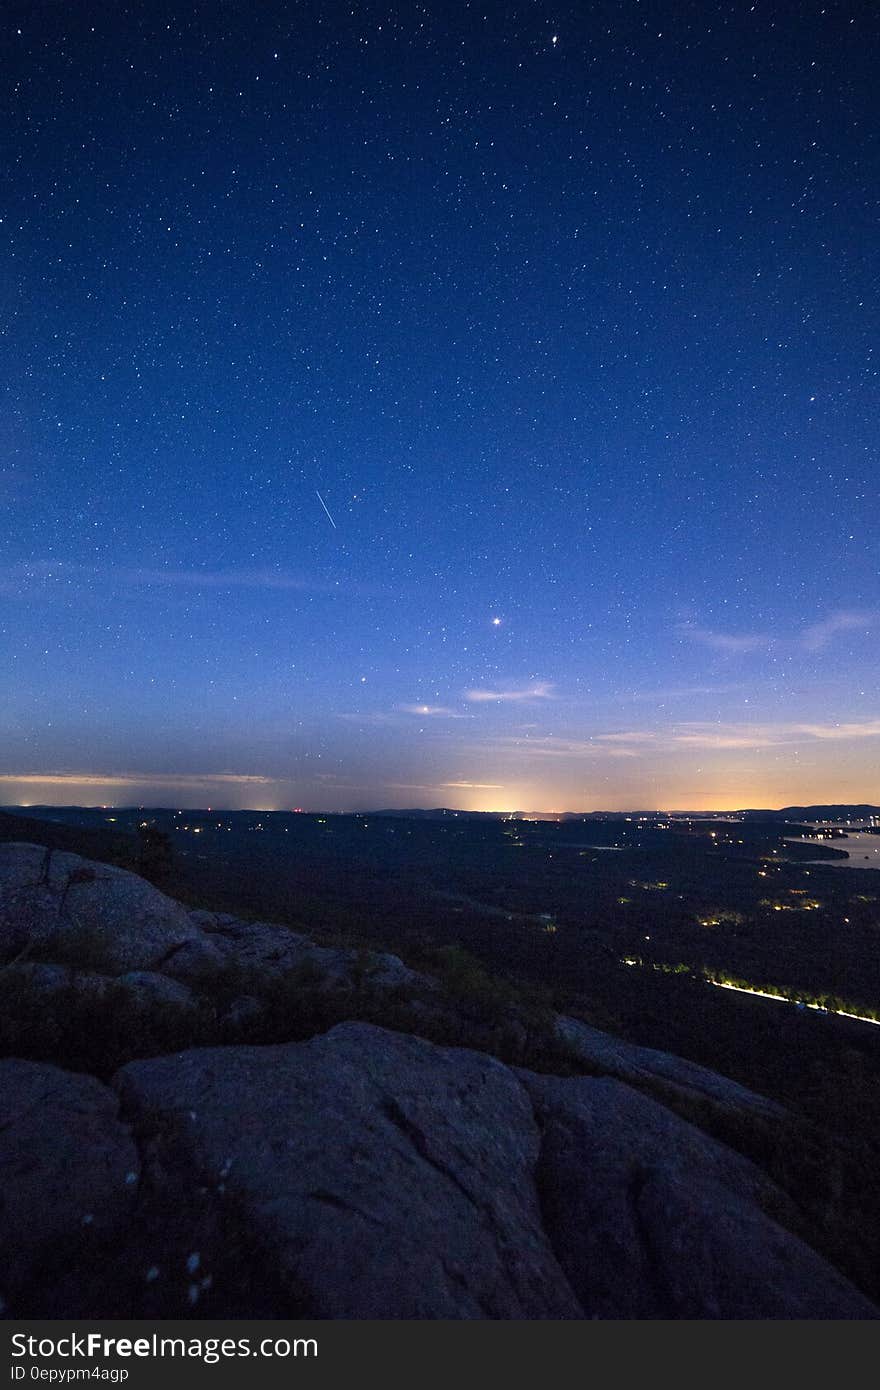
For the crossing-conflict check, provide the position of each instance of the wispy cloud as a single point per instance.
(432, 711)
(709, 738)
(20, 578)
(630, 736)
(746, 736)
(866, 728)
(814, 638)
(677, 692)
(223, 579)
(694, 736)
(437, 787)
(47, 574)
(538, 690)
(401, 717)
(723, 641)
(136, 779)
(552, 747)
(475, 786)
(818, 636)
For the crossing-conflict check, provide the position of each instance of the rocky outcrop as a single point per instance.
(151, 988)
(57, 985)
(196, 962)
(370, 1174)
(96, 919)
(384, 1177)
(661, 1073)
(101, 916)
(650, 1218)
(271, 951)
(361, 1173)
(68, 1169)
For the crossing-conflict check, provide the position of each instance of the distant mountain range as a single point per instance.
(850, 812)
(785, 813)
(812, 813)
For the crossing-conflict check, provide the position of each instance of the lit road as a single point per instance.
(765, 994)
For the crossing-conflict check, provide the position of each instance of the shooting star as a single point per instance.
(324, 505)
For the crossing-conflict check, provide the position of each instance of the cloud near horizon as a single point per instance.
(696, 736)
(475, 786)
(436, 787)
(630, 736)
(138, 779)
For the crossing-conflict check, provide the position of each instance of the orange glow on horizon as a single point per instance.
(635, 787)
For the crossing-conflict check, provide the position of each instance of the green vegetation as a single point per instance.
(81, 1032)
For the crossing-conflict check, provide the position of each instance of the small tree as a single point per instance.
(155, 854)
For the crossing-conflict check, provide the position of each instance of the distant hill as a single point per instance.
(95, 842)
(62, 818)
(863, 811)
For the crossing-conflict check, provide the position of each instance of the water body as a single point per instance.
(863, 851)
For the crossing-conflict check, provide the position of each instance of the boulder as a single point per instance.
(242, 1012)
(383, 1177)
(37, 977)
(196, 962)
(650, 1218)
(210, 921)
(148, 987)
(264, 947)
(661, 1072)
(271, 951)
(68, 1167)
(43, 978)
(23, 866)
(28, 906)
(205, 921)
(89, 914)
(389, 972)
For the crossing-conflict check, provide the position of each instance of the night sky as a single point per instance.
(467, 405)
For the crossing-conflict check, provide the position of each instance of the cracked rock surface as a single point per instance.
(52, 898)
(95, 917)
(385, 1177)
(651, 1218)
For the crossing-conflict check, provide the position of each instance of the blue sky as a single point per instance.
(566, 316)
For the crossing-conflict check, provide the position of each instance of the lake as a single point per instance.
(863, 851)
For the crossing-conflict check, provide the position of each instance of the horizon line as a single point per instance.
(704, 811)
